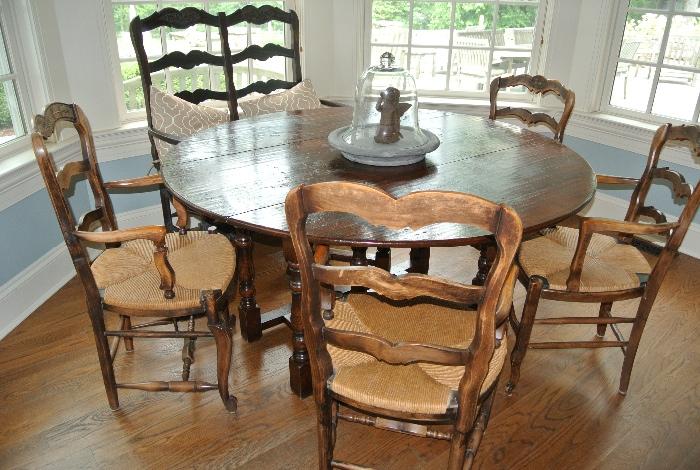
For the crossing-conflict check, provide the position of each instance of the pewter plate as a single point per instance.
(403, 152)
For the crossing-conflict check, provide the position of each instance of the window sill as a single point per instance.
(19, 174)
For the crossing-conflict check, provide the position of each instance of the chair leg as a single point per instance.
(223, 336)
(603, 313)
(458, 450)
(532, 300)
(633, 342)
(327, 420)
(188, 351)
(128, 342)
(103, 355)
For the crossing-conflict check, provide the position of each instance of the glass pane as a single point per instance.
(131, 85)
(268, 33)
(683, 47)
(431, 23)
(269, 69)
(643, 34)
(516, 26)
(11, 125)
(632, 86)
(240, 75)
(429, 67)
(228, 8)
(676, 94)
(473, 24)
(651, 4)
(510, 63)
(123, 14)
(5, 66)
(183, 79)
(469, 70)
(390, 22)
(185, 40)
(688, 5)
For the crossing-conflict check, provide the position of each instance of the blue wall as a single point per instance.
(613, 161)
(29, 228)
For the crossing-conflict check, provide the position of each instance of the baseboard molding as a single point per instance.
(30, 288)
(615, 208)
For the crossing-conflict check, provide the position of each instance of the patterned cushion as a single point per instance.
(414, 388)
(180, 118)
(608, 265)
(130, 280)
(301, 96)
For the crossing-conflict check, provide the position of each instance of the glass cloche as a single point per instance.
(384, 130)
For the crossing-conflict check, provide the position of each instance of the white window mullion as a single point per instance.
(449, 50)
(494, 19)
(411, 6)
(660, 61)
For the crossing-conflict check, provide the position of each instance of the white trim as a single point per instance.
(20, 177)
(33, 286)
(615, 208)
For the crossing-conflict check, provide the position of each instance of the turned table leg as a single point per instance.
(248, 309)
(487, 254)
(299, 367)
(420, 260)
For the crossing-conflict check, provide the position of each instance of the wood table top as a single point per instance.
(239, 173)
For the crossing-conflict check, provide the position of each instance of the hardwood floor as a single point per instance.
(565, 413)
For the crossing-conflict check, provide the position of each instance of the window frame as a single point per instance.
(9, 22)
(126, 116)
(618, 29)
(537, 53)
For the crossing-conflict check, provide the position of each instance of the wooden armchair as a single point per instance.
(144, 272)
(539, 85)
(586, 266)
(412, 352)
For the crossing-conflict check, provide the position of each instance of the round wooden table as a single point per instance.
(239, 173)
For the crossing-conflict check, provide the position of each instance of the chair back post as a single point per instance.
(228, 67)
(415, 210)
(538, 85)
(57, 182)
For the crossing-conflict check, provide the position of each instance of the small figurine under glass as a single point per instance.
(384, 130)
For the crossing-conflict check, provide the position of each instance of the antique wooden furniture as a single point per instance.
(586, 266)
(387, 354)
(539, 85)
(144, 272)
(181, 19)
(212, 173)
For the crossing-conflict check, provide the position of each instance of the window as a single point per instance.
(457, 47)
(12, 122)
(163, 40)
(655, 72)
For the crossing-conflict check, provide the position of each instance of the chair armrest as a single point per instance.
(169, 138)
(608, 179)
(591, 225)
(150, 180)
(154, 233)
(332, 104)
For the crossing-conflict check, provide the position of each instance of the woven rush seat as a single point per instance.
(608, 265)
(414, 388)
(201, 261)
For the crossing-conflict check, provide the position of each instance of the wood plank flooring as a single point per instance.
(565, 413)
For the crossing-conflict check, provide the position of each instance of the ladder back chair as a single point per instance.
(180, 19)
(143, 272)
(585, 265)
(539, 85)
(261, 15)
(411, 352)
